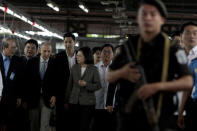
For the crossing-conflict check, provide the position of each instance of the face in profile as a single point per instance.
(80, 57)
(10, 51)
(97, 56)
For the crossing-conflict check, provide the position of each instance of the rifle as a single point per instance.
(148, 104)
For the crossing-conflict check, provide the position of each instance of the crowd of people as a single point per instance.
(129, 87)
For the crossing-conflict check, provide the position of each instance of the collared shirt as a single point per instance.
(101, 94)
(71, 60)
(1, 84)
(192, 54)
(6, 61)
(42, 61)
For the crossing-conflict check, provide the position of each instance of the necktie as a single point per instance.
(43, 69)
(6, 65)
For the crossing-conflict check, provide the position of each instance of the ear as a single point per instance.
(163, 20)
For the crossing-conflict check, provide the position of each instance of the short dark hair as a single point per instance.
(107, 45)
(95, 49)
(118, 46)
(158, 4)
(187, 24)
(87, 54)
(32, 41)
(69, 35)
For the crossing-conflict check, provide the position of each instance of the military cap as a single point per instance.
(158, 4)
(187, 24)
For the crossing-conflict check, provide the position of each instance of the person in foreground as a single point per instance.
(165, 68)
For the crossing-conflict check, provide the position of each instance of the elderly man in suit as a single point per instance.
(10, 70)
(41, 95)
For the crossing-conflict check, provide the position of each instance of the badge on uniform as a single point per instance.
(181, 57)
(12, 76)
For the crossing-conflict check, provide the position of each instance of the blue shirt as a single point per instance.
(6, 62)
(193, 67)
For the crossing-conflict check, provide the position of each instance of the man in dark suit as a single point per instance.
(11, 95)
(30, 51)
(64, 61)
(41, 96)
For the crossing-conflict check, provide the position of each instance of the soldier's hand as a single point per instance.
(148, 90)
(180, 121)
(129, 73)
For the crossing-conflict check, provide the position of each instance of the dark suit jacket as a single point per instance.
(34, 82)
(83, 95)
(62, 74)
(12, 87)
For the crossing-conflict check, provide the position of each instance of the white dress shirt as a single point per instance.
(192, 55)
(1, 84)
(71, 60)
(101, 94)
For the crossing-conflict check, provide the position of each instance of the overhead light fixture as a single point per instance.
(83, 7)
(11, 11)
(5, 29)
(52, 5)
(108, 2)
(76, 34)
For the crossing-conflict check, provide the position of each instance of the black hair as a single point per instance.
(69, 35)
(87, 54)
(95, 49)
(32, 41)
(187, 24)
(158, 4)
(107, 45)
(117, 47)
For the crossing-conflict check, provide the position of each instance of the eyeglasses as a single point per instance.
(194, 32)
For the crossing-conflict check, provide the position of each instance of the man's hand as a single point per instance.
(52, 101)
(180, 121)
(148, 90)
(110, 109)
(18, 102)
(66, 106)
(82, 83)
(129, 73)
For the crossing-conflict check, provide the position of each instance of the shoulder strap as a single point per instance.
(164, 70)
